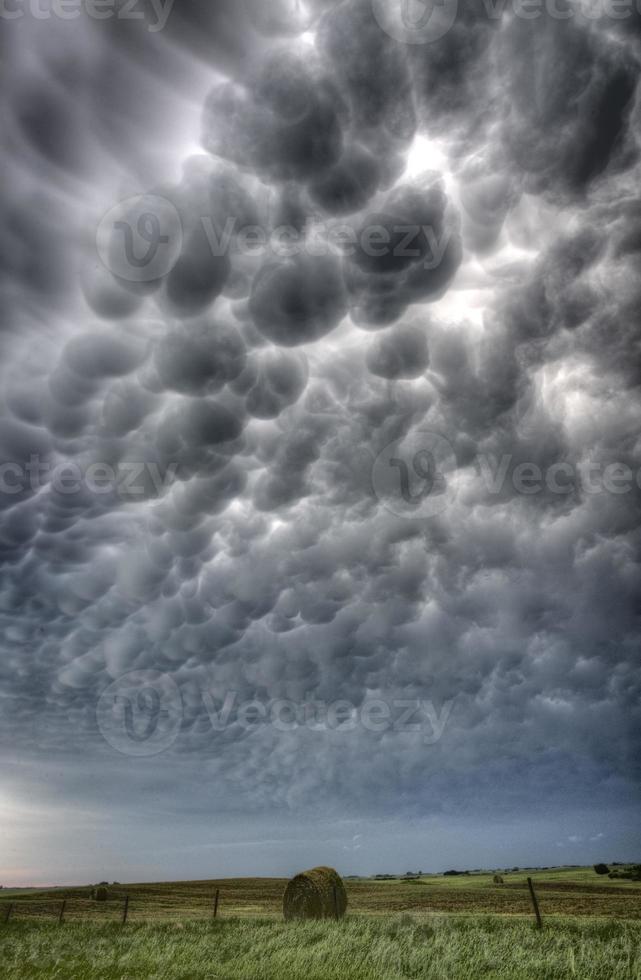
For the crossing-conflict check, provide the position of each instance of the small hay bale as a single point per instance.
(498, 879)
(101, 894)
(315, 894)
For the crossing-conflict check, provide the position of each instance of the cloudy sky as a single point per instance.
(320, 461)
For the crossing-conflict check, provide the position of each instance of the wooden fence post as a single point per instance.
(535, 903)
(9, 911)
(336, 904)
(216, 896)
(125, 910)
(62, 912)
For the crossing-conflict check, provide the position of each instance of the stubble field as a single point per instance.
(447, 928)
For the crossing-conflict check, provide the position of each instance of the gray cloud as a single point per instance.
(186, 481)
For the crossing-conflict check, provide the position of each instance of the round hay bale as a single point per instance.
(315, 894)
(101, 894)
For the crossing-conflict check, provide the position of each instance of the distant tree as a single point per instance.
(602, 869)
(498, 879)
(631, 871)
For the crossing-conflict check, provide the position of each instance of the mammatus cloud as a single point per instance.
(211, 351)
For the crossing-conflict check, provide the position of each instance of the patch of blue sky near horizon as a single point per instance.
(49, 845)
(66, 822)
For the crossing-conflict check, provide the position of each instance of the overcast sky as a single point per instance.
(320, 457)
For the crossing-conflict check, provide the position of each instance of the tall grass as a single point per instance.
(357, 948)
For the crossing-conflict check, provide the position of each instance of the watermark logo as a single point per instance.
(416, 21)
(413, 476)
(140, 239)
(130, 479)
(410, 475)
(375, 715)
(141, 713)
(426, 21)
(152, 13)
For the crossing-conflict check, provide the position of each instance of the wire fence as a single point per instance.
(113, 909)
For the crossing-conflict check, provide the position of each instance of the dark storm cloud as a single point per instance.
(298, 300)
(350, 184)
(402, 353)
(220, 519)
(200, 359)
(453, 78)
(286, 124)
(272, 381)
(381, 101)
(583, 85)
(406, 253)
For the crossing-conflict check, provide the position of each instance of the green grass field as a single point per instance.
(357, 948)
(439, 927)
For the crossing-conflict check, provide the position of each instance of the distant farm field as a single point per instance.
(392, 947)
(565, 892)
(444, 928)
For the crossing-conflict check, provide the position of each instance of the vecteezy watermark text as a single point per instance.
(140, 239)
(427, 21)
(373, 715)
(561, 477)
(153, 13)
(129, 478)
(415, 476)
(141, 713)
(320, 238)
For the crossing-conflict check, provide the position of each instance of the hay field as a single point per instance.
(437, 927)
(565, 892)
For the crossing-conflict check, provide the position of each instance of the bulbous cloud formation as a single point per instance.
(388, 251)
